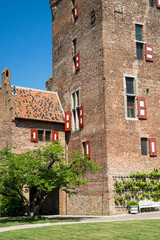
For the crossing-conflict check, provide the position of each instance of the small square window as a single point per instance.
(40, 135)
(48, 136)
(144, 146)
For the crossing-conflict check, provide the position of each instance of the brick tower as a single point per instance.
(106, 57)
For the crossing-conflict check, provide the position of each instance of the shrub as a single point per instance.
(11, 206)
(132, 203)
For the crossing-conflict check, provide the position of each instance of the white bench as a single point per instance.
(148, 204)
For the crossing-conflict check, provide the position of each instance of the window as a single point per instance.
(74, 10)
(86, 149)
(40, 135)
(130, 96)
(139, 50)
(152, 147)
(144, 146)
(139, 34)
(93, 16)
(74, 47)
(76, 56)
(75, 110)
(151, 3)
(139, 41)
(48, 136)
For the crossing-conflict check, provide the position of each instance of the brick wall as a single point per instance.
(124, 136)
(89, 81)
(6, 110)
(107, 54)
(16, 132)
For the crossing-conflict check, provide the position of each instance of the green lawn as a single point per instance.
(22, 221)
(125, 230)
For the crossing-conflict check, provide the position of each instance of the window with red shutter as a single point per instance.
(87, 149)
(77, 61)
(144, 146)
(142, 113)
(158, 3)
(34, 135)
(152, 147)
(130, 97)
(149, 52)
(54, 136)
(75, 12)
(68, 121)
(139, 41)
(75, 102)
(81, 117)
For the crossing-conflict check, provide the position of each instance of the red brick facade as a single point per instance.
(111, 52)
(23, 110)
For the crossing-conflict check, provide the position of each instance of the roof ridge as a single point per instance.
(34, 89)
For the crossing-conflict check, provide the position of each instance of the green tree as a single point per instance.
(43, 169)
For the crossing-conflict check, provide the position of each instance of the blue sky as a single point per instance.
(26, 41)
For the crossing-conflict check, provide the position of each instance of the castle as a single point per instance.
(106, 59)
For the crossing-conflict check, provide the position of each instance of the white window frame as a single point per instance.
(75, 109)
(138, 41)
(135, 94)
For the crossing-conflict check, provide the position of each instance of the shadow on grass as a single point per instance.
(12, 221)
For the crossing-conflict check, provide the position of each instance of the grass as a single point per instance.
(125, 230)
(21, 221)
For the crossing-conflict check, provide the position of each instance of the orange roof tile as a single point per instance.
(37, 105)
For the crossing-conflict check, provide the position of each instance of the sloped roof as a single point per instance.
(37, 105)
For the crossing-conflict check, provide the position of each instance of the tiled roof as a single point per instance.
(37, 104)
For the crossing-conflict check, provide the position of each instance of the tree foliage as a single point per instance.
(43, 169)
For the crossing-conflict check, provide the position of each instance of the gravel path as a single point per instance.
(87, 219)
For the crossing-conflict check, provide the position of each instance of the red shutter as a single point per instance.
(142, 113)
(149, 52)
(75, 11)
(68, 121)
(81, 117)
(34, 135)
(87, 149)
(54, 136)
(152, 147)
(158, 3)
(77, 61)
